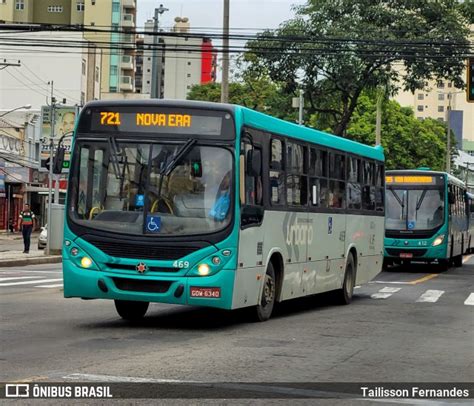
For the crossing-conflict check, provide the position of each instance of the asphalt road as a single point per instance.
(410, 324)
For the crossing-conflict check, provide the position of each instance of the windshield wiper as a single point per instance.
(422, 197)
(179, 154)
(114, 158)
(400, 202)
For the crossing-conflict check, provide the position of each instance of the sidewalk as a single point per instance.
(11, 252)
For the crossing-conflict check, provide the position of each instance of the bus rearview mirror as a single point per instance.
(451, 198)
(254, 162)
(58, 160)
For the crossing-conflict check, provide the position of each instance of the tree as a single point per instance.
(408, 142)
(256, 93)
(336, 49)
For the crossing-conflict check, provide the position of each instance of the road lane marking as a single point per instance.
(385, 293)
(430, 296)
(112, 378)
(30, 271)
(424, 279)
(28, 282)
(19, 277)
(470, 300)
(59, 285)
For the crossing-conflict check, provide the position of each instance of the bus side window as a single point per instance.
(253, 184)
(296, 171)
(277, 174)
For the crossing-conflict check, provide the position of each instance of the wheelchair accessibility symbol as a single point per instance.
(153, 223)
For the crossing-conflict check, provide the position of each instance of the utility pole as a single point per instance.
(448, 141)
(378, 119)
(51, 159)
(225, 55)
(300, 108)
(467, 175)
(156, 62)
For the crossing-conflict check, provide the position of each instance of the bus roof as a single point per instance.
(450, 177)
(260, 121)
(275, 125)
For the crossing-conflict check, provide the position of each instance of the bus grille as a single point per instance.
(396, 252)
(141, 251)
(127, 267)
(142, 285)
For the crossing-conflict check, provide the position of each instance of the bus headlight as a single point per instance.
(86, 262)
(203, 270)
(438, 240)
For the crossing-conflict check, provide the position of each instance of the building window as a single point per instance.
(189, 63)
(440, 85)
(147, 82)
(440, 109)
(116, 7)
(113, 70)
(421, 96)
(440, 96)
(189, 75)
(80, 6)
(19, 4)
(419, 108)
(97, 71)
(83, 98)
(440, 118)
(83, 66)
(55, 9)
(450, 84)
(113, 89)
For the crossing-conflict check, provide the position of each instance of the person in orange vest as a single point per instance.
(27, 223)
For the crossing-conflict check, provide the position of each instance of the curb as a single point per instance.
(56, 259)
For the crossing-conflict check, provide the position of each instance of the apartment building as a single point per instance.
(433, 101)
(118, 56)
(185, 61)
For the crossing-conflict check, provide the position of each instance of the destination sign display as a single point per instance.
(413, 180)
(130, 121)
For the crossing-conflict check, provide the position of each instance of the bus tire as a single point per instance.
(457, 261)
(387, 263)
(344, 295)
(443, 264)
(264, 309)
(131, 310)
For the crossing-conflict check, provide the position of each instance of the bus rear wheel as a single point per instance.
(131, 310)
(264, 309)
(344, 295)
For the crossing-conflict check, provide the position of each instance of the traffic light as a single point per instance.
(470, 81)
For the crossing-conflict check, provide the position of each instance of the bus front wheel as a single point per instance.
(131, 310)
(264, 310)
(344, 295)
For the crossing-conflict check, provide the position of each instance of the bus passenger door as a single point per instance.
(251, 241)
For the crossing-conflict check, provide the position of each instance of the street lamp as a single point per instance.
(25, 107)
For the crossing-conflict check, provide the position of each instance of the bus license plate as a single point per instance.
(406, 255)
(214, 293)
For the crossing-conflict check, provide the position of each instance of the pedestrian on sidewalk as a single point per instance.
(27, 223)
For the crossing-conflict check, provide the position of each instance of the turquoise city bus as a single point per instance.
(216, 205)
(427, 218)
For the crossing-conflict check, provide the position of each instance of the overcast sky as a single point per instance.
(256, 14)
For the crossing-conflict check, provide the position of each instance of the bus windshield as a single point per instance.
(414, 209)
(144, 188)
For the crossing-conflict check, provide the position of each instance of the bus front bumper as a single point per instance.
(415, 254)
(212, 291)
